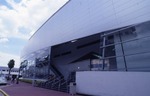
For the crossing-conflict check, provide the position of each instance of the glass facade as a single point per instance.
(123, 49)
(131, 46)
(27, 67)
(36, 65)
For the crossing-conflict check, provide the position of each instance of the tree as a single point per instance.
(11, 64)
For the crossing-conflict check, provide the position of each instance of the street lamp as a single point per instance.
(18, 75)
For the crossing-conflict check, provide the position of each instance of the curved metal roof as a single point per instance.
(80, 18)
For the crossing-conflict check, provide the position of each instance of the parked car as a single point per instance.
(3, 80)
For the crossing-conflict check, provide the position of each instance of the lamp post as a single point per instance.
(18, 75)
(33, 79)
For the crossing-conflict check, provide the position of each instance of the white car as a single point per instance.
(3, 80)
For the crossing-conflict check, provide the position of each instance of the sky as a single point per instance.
(19, 19)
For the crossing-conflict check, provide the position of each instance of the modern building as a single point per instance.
(5, 71)
(103, 43)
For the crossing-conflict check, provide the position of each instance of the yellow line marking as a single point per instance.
(4, 93)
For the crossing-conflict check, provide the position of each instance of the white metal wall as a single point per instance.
(98, 83)
(80, 18)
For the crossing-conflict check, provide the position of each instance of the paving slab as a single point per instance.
(25, 89)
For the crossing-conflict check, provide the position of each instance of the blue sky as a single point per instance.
(19, 19)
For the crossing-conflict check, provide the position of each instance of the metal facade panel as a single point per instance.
(80, 18)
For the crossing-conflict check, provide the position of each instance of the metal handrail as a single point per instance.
(126, 41)
(116, 31)
(146, 52)
(64, 82)
(58, 80)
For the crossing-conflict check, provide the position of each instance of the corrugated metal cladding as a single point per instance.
(80, 18)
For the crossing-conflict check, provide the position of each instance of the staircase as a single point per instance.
(58, 84)
(71, 77)
(55, 70)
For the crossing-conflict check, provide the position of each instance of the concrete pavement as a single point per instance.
(25, 89)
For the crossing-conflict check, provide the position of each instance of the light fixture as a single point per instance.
(73, 41)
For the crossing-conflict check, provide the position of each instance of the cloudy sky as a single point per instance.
(19, 19)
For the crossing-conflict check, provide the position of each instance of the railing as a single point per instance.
(58, 84)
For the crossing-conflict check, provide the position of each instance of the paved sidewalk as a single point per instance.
(25, 89)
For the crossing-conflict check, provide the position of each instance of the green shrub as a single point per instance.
(26, 80)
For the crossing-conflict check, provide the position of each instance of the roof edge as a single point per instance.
(49, 18)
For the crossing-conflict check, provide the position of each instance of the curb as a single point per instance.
(4, 93)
